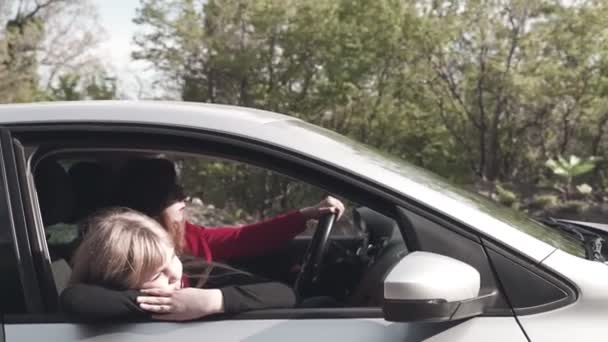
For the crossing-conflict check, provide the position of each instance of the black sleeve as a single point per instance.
(94, 303)
(244, 291)
(240, 298)
(241, 291)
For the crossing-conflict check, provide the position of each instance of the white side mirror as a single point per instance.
(426, 286)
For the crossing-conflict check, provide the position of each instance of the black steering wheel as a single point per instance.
(313, 258)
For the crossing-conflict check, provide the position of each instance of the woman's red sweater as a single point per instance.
(223, 243)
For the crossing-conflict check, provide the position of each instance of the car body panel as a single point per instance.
(582, 320)
(405, 181)
(279, 130)
(502, 329)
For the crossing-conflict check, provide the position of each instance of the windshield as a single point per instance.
(552, 236)
(517, 219)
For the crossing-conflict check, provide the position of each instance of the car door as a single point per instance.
(319, 324)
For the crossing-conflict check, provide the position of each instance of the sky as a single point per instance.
(116, 18)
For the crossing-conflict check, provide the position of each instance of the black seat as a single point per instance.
(56, 201)
(55, 192)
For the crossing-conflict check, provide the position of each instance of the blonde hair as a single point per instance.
(122, 249)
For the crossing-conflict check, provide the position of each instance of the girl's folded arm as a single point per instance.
(93, 302)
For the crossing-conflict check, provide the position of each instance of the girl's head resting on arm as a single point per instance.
(124, 249)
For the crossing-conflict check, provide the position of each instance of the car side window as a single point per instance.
(223, 192)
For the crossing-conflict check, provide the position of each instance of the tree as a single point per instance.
(34, 37)
(474, 90)
(19, 39)
(75, 87)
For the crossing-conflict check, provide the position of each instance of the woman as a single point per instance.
(150, 186)
(125, 252)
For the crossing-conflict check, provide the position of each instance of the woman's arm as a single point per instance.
(269, 295)
(254, 239)
(262, 237)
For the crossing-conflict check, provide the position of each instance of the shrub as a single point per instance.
(544, 201)
(574, 207)
(506, 197)
(584, 189)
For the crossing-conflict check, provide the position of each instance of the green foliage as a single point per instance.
(19, 40)
(574, 207)
(468, 89)
(343, 65)
(74, 87)
(41, 44)
(544, 201)
(244, 190)
(584, 189)
(61, 234)
(572, 167)
(67, 90)
(473, 90)
(506, 197)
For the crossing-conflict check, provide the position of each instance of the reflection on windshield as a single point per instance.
(516, 219)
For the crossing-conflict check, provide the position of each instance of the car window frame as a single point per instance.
(26, 135)
(17, 254)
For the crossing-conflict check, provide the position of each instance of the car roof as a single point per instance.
(296, 135)
(186, 114)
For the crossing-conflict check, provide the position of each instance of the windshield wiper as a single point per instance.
(594, 244)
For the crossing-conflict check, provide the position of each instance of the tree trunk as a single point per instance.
(493, 151)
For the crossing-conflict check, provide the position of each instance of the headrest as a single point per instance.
(92, 187)
(147, 184)
(55, 192)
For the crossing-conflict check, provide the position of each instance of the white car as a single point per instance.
(418, 259)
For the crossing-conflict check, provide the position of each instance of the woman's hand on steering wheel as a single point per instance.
(328, 205)
(315, 253)
(326, 212)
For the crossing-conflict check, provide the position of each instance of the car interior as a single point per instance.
(72, 184)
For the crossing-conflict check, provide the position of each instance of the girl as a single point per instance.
(126, 267)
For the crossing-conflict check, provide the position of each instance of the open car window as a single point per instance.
(223, 192)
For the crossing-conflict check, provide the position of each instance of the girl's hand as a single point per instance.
(183, 304)
(327, 205)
